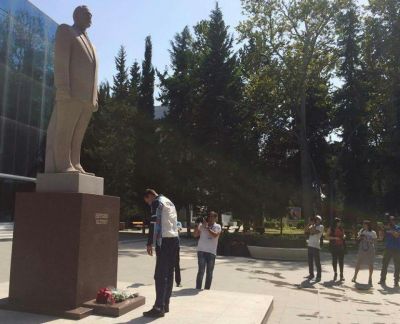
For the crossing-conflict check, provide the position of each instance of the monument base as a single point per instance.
(117, 309)
(65, 249)
(69, 182)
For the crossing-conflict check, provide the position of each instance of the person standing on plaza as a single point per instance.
(337, 247)
(164, 234)
(315, 230)
(208, 232)
(392, 250)
(366, 250)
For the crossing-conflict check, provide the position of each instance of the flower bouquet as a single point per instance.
(113, 295)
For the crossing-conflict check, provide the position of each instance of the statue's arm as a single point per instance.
(62, 57)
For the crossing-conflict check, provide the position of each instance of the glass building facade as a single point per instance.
(26, 96)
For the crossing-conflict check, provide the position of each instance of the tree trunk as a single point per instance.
(306, 178)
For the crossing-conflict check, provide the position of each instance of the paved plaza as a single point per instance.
(295, 301)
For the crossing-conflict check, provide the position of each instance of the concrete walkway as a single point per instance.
(295, 301)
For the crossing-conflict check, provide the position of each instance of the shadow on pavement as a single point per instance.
(385, 290)
(140, 320)
(307, 284)
(136, 285)
(185, 292)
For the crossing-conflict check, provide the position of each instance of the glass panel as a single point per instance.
(26, 93)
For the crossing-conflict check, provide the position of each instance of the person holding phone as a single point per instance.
(315, 230)
(208, 232)
(366, 250)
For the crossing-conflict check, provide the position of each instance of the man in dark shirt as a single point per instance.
(392, 250)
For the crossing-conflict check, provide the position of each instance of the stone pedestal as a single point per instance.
(65, 249)
(69, 182)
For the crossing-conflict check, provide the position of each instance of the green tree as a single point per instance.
(121, 79)
(134, 83)
(177, 93)
(298, 36)
(352, 117)
(146, 93)
(216, 108)
(381, 50)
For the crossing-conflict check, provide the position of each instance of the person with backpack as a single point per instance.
(337, 247)
(366, 250)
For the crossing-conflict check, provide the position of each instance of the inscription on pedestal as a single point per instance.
(101, 219)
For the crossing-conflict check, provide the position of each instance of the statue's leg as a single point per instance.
(77, 138)
(49, 162)
(68, 113)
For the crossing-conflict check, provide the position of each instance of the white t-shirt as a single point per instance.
(368, 236)
(314, 239)
(207, 242)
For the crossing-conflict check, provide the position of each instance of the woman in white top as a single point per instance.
(366, 250)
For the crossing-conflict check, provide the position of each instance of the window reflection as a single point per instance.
(26, 90)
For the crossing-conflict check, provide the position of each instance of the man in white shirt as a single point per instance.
(315, 230)
(208, 232)
(164, 234)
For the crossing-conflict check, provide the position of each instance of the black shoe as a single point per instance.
(179, 285)
(341, 278)
(335, 277)
(310, 277)
(382, 282)
(154, 313)
(396, 285)
(318, 279)
(166, 309)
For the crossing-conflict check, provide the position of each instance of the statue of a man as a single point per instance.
(75, 77)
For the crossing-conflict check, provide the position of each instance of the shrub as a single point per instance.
(301, 224)
(235, 244)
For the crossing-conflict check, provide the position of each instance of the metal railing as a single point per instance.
(16, 177)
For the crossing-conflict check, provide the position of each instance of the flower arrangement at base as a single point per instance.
(113, 295)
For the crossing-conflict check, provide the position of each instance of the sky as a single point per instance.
(128, 22)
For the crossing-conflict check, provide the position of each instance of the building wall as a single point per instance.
(26, 95)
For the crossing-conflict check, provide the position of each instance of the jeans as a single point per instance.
(387, 256)
(337, 255)
(205, 260)
(177, 268)
(313, 255)
(164, 273)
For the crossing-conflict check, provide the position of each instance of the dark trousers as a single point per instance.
(313, 256)
(177, 268)
(206, 261)
(337, 255)
(387, 256)
(164, 273)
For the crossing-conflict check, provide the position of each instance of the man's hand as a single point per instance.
(205, 224)
(150, 250)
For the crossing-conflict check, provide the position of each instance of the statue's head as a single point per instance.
(82, 17)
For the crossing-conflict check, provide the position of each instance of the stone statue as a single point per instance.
(75, 77)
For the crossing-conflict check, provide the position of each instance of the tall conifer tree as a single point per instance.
(134, 83)
(121, 80)
(146, 97)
